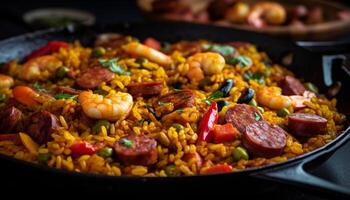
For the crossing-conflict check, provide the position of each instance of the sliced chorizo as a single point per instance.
(242, 115)
(303, 124)
(179, 99)
(11, 120)
(137, 150)
(92, 77)
(291, 86)
(145, 89)
(264, 139)
(41, 125)
(68, 90)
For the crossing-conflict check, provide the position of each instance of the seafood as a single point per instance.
(25, 95)
(112, 107)
(5, 81)
(267, 13)
(137, 49)
(40, 68)
(272, 98)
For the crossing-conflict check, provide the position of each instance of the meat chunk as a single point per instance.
(264, 139)
(92, 77)
(137, 150)
(291, 86)
(179, 99)
(242, 115)
(11, 120)
(303, 124)
(110, 40)
(68, 90)
(41, 125)
(145, 89)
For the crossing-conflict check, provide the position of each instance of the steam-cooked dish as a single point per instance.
(258, 14)
(126, 107)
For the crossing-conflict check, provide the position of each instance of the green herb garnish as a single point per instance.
(65, 96)
(2, 97)
(127, 143)
(38, 87)
(257, 76)
(179, 110)
(257, 116)
(113, 66)
(215, 95)
(222, 49)
(162, 103)
(243, 61)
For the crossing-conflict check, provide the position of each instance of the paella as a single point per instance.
(147, 108)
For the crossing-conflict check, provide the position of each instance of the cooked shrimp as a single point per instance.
(40, 68)
(208, 62)
(25, 95)
(5, 81)
(267, 13)
(111, 107)
(137, 49)
(272, 97)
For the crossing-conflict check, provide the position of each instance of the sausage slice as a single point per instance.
(264, 139)
(41, 125)
(303, 124)
(92, 77)
(11, 120)
(137, 150)
(145, 89)
(242, 115)
(291, 86)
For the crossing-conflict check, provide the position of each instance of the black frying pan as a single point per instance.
(306, 64)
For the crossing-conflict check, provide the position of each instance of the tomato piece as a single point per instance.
(153, 43)
(219, 168)
(225, 133)
(82, 148)
(50, 47)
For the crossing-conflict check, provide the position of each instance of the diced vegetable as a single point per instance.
(171, 170)
(43, 158)
(97, 126)
(283, 112)
(82, 148)
(29, 143)
(49, 48)
(208, 121)
(65, 96)
(105, 152)
(178, 127)
(2, 97)
(153, 43)
(127, 143)
(62, 72)
(311, 87)
(225, 133)
(219, 168)
(240, 153)
(253, 102)
(98, 52)
(224, 50)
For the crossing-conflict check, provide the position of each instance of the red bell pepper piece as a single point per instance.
(208, 121)
(82, 148)
(50, 47)
(153, 43)
(225, 133)
(219, 168)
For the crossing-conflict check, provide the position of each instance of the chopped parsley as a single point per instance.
(162, 103)
(224, 50)
(38, 87)
(215, 95)
(257, 76)
(113, 66)
(127, 143)
(257, 116)
(179, 110)
(65, 96)
(243, 61)
(2, 97)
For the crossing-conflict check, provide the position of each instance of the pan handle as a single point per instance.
(298, 175)
(326, 47)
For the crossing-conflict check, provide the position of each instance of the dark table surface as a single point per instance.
(336, 169)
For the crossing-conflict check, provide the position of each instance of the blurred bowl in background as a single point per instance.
(57, 17)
